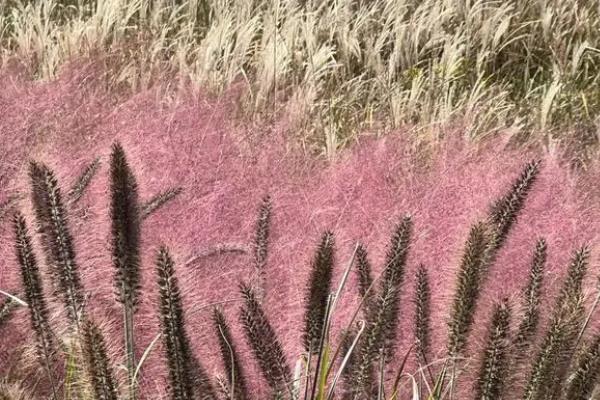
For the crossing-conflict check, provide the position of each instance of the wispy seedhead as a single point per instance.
(229, 356)
(586, 374)
(551, 364)
(505, 210)
(494, 367)
(178, 351)
(158, 201)
(32, 284)
(422, 315)
(264, 343)
(317, 293)
(83, 181)
(98, 364)
(125, 221)
(531, 299)
(468, 286)
(52, 222)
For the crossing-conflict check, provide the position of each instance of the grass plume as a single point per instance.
(264, 343)
(422, 315)
(318, 292)
(176, 342)
(467, 288)
(230, 357)
(38, 309)
(261, 242)
(365, 278)
(531, 297)
(504, 211)
(494, 367)
(586, 374)
(125, 229)
(57, 241)
(83, 180)
(379, 337)
(158, 201)
(98, 364)
(7, 308)
(549, 367)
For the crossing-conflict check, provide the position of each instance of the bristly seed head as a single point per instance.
(125, 220)
(57, 241)
(34, 295)
(98, 364)
(317, 293)
(264, 342)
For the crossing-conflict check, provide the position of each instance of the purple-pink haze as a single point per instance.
(226, 167)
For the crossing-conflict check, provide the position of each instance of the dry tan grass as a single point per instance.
(340, 66)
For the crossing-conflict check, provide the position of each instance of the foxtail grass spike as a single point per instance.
(178, 352)
(229, 356)
(32, 284)
(83, 181)
(264, 343)
(7, 206)
(158, 201)
(531, 297)
(586, 374)
(551, 363)
(348, 373)
(57, 241)
(318, 292)
(7, 308)
(494, 368)
(365, 278)
(201, 384)
(98, 364)
(261, 243)
(125, 229)
(541, 378)
(382, 320)
(422, 315)
(505, 210)
(467, 288)
(393, 277)
(224, 388)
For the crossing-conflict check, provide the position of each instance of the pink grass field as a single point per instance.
(226, 167)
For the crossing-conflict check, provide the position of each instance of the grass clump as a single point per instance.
(524, 65)
(364, 363)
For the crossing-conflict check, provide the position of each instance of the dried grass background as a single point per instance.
(226, 166)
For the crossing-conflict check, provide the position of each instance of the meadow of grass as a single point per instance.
(299, 200)
(335, 68)
(221, 171)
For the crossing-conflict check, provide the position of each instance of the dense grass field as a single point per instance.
(299, 200)
(337, 68)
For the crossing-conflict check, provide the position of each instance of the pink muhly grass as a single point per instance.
(225, 169)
